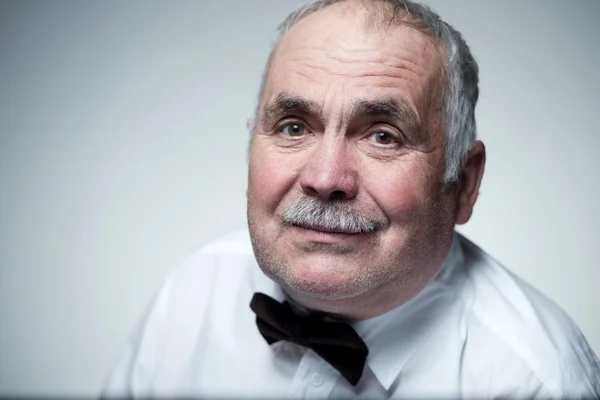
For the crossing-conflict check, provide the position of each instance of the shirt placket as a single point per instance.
(314, 378)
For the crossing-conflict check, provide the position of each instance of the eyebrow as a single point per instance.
(286, 104)
(391, 109)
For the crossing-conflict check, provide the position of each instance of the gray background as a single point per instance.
(123, 148)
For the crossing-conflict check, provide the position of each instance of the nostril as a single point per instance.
(337, 195)
(311, 191)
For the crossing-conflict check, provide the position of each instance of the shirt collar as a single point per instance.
(394, 337)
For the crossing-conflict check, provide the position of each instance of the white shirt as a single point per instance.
(476, 331)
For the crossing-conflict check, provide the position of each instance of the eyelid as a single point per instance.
(290, 121)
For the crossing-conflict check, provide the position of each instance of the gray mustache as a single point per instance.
(336, 216)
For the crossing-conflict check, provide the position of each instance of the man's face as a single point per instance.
(345, 191)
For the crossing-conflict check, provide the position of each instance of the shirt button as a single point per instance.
(317, 379)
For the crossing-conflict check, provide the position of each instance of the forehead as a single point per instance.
(341, 52)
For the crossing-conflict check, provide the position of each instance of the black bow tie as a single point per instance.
(336, 343)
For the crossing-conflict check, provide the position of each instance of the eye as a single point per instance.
(293, 129)
(382, 138)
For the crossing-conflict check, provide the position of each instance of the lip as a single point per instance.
(324, 230)
(323, 235)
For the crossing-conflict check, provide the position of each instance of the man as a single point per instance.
(363, 159)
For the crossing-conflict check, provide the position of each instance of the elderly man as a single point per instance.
(352, 281)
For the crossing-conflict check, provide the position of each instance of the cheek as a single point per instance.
(270, 177)
(402, 195)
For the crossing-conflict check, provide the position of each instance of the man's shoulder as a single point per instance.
(504, 309)
(222, 258)
(232, 251)
(233, 243)
(206, 274)
(222, 261)
(195, 297)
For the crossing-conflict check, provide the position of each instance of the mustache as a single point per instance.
(335, 216)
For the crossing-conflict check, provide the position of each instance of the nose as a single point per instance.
(330, 173)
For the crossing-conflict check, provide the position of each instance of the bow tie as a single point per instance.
(336, 343)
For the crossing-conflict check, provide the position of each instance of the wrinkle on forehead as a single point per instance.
(322, 46)
(407, 49)
(331, 78)
(366, 69)
(329, 61)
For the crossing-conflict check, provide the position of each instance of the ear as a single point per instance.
(470, 180)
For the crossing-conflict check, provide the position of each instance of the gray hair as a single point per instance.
(461, 88)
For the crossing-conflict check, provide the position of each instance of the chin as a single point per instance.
(322, 290)
(324, 280)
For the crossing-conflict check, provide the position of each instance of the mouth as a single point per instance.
(325, 230)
